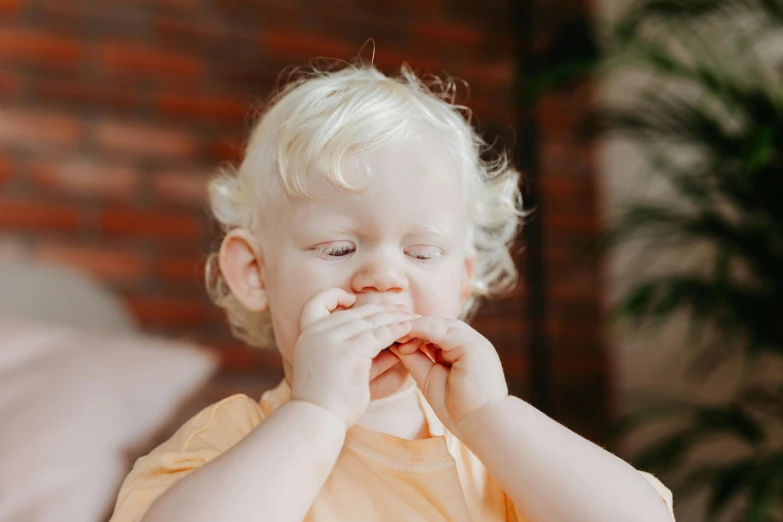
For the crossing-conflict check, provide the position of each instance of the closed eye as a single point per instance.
(334, 251)
(425, 254)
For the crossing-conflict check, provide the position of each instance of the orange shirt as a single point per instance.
(377, 477)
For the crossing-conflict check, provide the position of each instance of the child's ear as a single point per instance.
(470, 268)
(241, 264)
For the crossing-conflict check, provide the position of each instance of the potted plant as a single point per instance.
(717, 141)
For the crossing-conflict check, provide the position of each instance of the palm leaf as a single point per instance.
(728, 483)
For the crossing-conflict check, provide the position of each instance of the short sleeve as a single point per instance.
(204, 437)
(662, 490)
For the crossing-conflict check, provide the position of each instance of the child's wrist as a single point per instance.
(321, 417)
(471, 427)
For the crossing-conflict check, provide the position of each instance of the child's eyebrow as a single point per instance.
(428, 230)
(316, 229)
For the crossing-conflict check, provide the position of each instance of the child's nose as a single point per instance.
(380, 277)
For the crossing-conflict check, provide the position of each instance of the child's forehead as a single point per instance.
(391, 176)
(389, 170)
(397, 192)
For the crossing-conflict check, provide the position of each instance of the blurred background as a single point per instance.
(649, 315)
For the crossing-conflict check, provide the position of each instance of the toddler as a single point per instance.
(362, 228)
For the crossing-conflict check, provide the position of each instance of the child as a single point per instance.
(361, 227)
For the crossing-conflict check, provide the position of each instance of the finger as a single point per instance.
(346, 316)
(323, 304)
(434, 353)
(383, 318)
(451, 336)
(382, 363)
(429, 376)
(410, 345)
(372, 341)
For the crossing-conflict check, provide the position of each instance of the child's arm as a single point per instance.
(275, 472)
(553, 474)
(550, 473)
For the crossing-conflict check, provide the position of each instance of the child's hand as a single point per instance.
(462, 373)
(334, 353)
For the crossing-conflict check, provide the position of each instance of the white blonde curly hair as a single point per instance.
(320, 116)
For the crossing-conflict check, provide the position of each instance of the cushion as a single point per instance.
(73, 404)
(60, 294)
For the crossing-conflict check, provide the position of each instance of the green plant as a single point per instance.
(717, 140)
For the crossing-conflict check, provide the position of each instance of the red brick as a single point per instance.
(180, 269)
(489, 110)
(28, 129)
(579, 364)
(583, 222)
(248, 77)
(564, 109)
(303, 46)
(19, 46)
(390, 61)
(208, 39)
(6, 169)
(89, 94)
(567, 364)
(573, 288)
(143, 141)
(179, 4)
(28, 215)
(10, 84)
(552, 185)
(245, 359)
(162, 225)
(169, 29)
(449, 36)
(155, 311)
(227, 150)
(569, 193)
(106, 263)
(562, 157)
(85, 177)
(276, 14)
(387, 32)
(110, 18)
(182, 186)
(125, 60)
(575, 332)
(494, 73)
(8, 7)
(202, 107)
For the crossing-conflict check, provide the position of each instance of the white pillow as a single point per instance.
(72, 404)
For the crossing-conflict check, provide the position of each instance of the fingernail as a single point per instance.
(410, 348)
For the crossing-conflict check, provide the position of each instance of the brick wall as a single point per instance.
(113, 114)
(581, 383)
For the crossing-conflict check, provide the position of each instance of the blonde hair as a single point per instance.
(320, 117)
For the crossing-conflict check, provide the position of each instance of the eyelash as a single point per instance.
(331, 250)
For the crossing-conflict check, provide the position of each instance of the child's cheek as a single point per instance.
(291, 292)
(441, 297)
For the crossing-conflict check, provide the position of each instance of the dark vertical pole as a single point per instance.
(527, 160)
